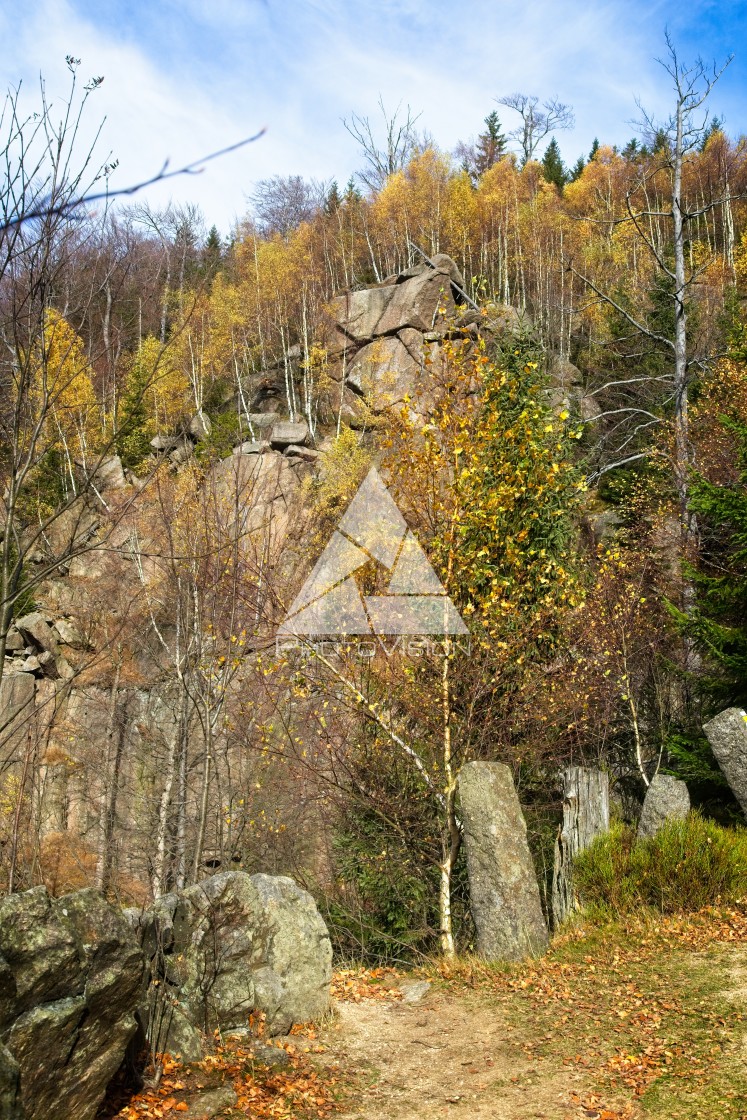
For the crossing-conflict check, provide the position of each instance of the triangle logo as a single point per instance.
(330, 603)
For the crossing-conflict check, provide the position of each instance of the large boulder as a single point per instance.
(666, 799)
(110, 474)
(418, 301)
(727, 734)
(444, 263)
(200, 426)
(256, 494)
(501, 319)
(387, 370)
(414, 300)
(70, 977)
(355, 317)
(35, 628)
(286, 432)
(504, 893)
(562, 372)
(233, 945)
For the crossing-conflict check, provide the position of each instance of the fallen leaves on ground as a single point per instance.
(592, 1108)
(602, 1001)
(262, 1093)
(352, 985)
(621, 1006)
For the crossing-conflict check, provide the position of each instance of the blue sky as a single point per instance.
(184, 77)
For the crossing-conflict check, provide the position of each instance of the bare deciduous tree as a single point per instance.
(384, 158)
(662, 216)
(281, 203)
(537, 121)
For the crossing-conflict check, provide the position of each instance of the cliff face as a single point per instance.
(132, 711)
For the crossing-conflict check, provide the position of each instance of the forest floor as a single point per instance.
(628, 1021)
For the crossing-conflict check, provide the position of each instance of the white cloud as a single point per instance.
(185, 77)
(150, 115)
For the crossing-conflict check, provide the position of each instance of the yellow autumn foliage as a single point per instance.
(63, 391)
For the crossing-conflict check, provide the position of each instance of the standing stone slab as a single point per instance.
(666, 799)
(727, 734)
(504, 894)
(586, 814)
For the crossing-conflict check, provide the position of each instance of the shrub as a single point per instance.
(687, 865)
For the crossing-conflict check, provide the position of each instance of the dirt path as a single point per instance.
(444, 1055)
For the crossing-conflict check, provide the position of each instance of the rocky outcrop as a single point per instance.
(504, 895)
(413, 299)
(666, 799)
(382, 341)
(38, 643)
(382, 348)
(230, 946)
(727, 734)
(70, 976)
(284, 433)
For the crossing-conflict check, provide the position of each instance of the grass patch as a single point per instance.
(688, 865)
(637, 1008)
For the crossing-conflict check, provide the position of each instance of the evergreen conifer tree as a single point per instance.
(212, 253)
(352, 194)
(577, 170)
(552, 165)
(333, 200)
(490, 146)
(719, 623)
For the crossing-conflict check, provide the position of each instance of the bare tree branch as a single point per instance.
(537, 121)
(64, 209)
(399, 144)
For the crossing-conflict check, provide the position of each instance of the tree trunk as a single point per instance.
(108, 803)
(111, 811)
(681, 420)
(160, 876)
(204, 801)
(452, 839)
(586, 814)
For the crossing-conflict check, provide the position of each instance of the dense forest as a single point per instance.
(572, 457)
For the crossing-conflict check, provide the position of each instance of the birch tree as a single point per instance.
(664, 220)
